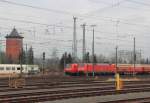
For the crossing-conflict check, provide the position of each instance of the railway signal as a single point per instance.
(43, 55)
(43, 62)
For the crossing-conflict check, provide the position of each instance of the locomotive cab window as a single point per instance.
(68, 66)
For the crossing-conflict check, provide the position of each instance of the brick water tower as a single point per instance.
(14, 45)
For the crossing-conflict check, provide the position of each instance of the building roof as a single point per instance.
(14, 34)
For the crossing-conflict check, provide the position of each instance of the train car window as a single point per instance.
(8, 68)
(18, 68)
(1, 68)
(68, 66)
(13, 68)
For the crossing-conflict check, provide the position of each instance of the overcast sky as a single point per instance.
(47, 25)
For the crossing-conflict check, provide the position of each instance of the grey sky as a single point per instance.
(133, 18)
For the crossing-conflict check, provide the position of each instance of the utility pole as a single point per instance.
(83, 48)
(65, 56)
(134, 56)
(140, 55)
(34, 32)
(54, 32)
(20, 59)
(116, 59)
(74, 39)
(93, 51)
(0, 49)
(26, 56)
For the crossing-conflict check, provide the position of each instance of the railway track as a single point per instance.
(49, 90)
(69, 85)
(136, 100)
(55, 95)
(68, 93)
(42, 82)
(59, 79)
(97, 85)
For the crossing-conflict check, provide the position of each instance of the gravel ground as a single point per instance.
(98, 99)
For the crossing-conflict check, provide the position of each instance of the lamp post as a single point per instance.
(116, 59)
(20, 60)
(93, 73)
(134, 56)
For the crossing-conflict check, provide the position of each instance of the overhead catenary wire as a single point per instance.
(65, 27)
(64, 12)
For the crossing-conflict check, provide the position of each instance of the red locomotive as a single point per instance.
(105, 69)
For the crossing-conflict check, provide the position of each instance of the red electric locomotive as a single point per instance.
(103, 69)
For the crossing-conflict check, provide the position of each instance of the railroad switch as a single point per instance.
(118, 82)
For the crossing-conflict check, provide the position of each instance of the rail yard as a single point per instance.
(74, 51)
(54, 88)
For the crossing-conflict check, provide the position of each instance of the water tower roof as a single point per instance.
(14, 34)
